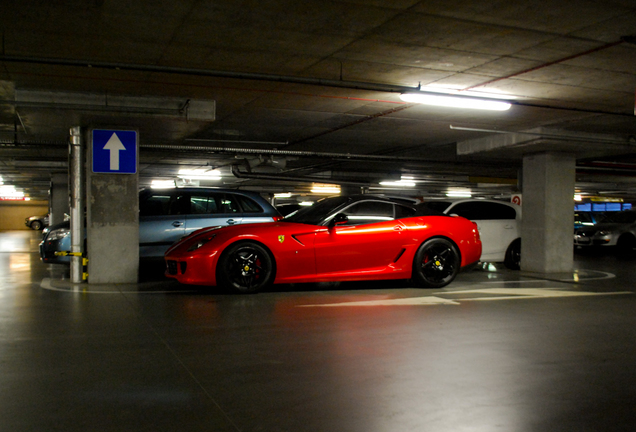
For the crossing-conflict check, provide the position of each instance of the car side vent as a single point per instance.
(399, 255)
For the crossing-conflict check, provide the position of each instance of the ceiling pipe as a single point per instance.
(354, 85)
(276, 177)
(209, 73)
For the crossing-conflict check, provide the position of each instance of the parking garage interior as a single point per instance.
(297, 101)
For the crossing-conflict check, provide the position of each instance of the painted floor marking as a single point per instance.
(47, 284)
(414, 301)
(497, 294)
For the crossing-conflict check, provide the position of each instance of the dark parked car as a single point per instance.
(37, 222)
(615, 229)
(286, 209)
(166, 215)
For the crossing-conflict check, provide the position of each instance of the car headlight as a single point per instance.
(58, 234)
(197, 244)
(603, 233)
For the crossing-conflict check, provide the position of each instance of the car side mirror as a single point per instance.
(338, 219)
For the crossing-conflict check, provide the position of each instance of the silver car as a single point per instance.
(166, 215)
(37, 222)
(615, 229)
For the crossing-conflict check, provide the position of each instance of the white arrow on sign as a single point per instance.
(114, 145)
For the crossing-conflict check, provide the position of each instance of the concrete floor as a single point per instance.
(495, 351)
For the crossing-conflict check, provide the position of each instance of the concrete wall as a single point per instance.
(13, 213)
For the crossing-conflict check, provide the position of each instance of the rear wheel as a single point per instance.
(436, 263)
(36, 225)
(245, 267)
(512, 259)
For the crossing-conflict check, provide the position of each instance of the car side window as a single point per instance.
(203, 204)
(483, 211)
(249, 205)
(155, 205)
(228, 204)
(213, 203)
(367, 212)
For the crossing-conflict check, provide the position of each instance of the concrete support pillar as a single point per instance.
(112, 224)
(76, 195)
(59, 198)
(548, 212)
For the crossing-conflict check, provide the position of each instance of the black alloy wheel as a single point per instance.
(436, 263)
(246, 267)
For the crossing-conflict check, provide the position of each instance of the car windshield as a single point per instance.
(620, 217)
(317, 213)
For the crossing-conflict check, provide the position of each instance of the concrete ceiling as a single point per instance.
(310, 90)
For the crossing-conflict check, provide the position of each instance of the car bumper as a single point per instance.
(191, 270)
(47, 255)
(580, 241)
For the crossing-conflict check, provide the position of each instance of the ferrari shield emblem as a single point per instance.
(281, 238)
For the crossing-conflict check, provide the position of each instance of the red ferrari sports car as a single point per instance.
(344, 238)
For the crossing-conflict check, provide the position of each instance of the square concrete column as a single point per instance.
(112, 224)
(548, 213)
(59, 198)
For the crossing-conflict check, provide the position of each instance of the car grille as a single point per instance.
(172, 267)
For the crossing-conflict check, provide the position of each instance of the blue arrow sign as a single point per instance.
(114, 151)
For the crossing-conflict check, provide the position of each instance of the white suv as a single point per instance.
(499, 226)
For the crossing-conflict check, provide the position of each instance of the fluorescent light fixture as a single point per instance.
(578, 197)
(306, 203)
(405, 181)
(325, 189)
(455, 101)
(10, 192)
(283, 195)
(492, 93)
(162, 184)
(459, 194)
(199, 174)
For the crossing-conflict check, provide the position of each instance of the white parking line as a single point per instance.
(68, 287)
(497, 294)
(413, 301)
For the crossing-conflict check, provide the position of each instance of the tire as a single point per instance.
(246, 267)
(625, 244)
(36, 225)
(512, 260)
(436, 264)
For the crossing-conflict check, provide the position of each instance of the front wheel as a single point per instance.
(245, 267)
(436, 263)
(626, 244)
(36, 225)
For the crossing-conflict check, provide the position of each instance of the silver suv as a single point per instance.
(166, 215)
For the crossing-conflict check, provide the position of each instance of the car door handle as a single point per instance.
(231, 221)
(398, 228)
(177, 223)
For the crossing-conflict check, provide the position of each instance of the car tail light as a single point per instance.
(277, 218)
(476, 231)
